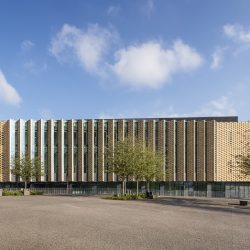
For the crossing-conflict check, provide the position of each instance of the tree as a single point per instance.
(135, 159)
(152, 166)
(148, 164)
(121, 160)
(138, 167)
(25, 168)
(243, 162)
(243, 159)
(37, 168)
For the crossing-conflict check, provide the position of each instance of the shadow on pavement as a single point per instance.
(210, 205)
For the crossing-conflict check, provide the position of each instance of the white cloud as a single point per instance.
(87, 46)
(237, 32)
(8, 94)
(218, 107)
(103, 115)
(217, 58)
(27, 45)
(221, 106)
(113, 10)
(151, 65)
(128, 114)
(144, 65)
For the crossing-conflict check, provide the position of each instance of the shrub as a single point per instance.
(126, 197)
(36, 193)
(12, 193)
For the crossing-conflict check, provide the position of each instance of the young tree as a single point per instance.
(21, 168)
(26, 168)
(134, 159)
(121, 160)
(243, 162)
(16, 167)
(37, 168)
(138, 167)
(152, 166)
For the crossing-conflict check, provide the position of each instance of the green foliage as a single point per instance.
(37, 168)
(19, 193)
(135, 159)
(26, 168)
(12, 193)
(121, 159)
(243, 162)
(149, 166)
(243, 159)
(125, 197)
(36, 193)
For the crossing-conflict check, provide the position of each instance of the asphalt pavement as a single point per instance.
(48, 222)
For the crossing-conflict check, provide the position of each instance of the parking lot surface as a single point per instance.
(47, 222)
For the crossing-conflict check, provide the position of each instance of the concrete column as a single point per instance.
(209, 190)
(60, 150)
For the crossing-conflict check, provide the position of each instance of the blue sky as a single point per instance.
(107, 59)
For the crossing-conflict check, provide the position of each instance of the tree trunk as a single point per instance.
(137, 187)
(148, 186)
(123, 187)
(25, 185)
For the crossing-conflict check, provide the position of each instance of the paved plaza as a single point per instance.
(46, 222)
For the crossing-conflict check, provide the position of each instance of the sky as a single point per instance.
(124, 59)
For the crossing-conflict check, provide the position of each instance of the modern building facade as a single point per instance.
(193, 149)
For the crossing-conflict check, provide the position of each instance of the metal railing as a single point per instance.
(227, 190)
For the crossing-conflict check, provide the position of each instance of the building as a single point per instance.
(194, 149)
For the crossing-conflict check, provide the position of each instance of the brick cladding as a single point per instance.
(196, 150)
(231, 140)
(190, 151)
(100, 150)
(90, 150)
(3, 126)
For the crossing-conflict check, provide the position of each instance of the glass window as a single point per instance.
(146, 132)
(65, 162)
(75, 138)
(116, 131)
(106, 139)
(136, 130)
(95, 161)
(126, 129)
(85, 160)
(85, 134)
(157, 135)
(96, 134)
